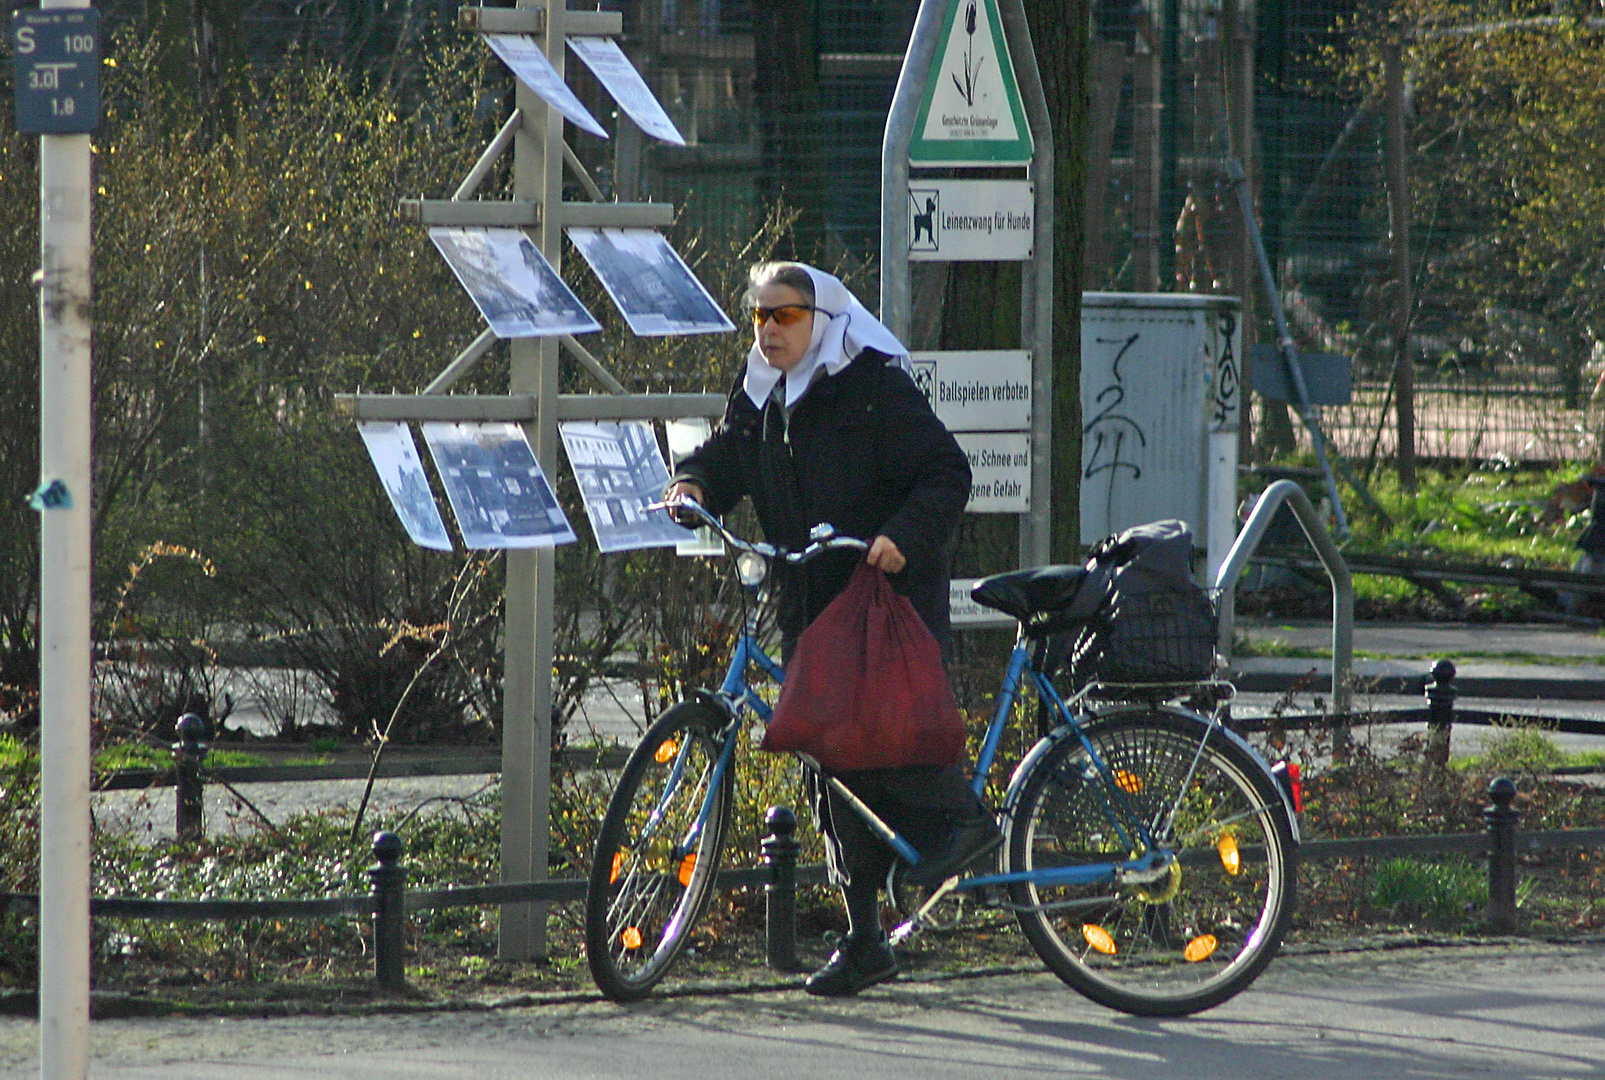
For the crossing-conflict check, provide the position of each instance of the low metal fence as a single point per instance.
(390, 902)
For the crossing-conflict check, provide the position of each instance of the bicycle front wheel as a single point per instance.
(1193, 938)
(657, 853)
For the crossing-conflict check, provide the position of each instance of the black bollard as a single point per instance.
(389, 879)
(188, 754)
(1440, 716)
(1502, 818)
(780, 894)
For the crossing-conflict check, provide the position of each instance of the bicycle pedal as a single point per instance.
(903, 932)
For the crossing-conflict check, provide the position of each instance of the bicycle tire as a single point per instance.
(645, 894)
(1207, 931)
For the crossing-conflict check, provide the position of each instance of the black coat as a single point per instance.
(862, 451)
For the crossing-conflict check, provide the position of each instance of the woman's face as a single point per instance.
(783, 346)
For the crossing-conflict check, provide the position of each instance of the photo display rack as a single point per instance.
(534, 132)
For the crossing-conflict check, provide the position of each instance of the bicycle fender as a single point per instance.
(1254, 755)
(1063, 731)
(1011, 797)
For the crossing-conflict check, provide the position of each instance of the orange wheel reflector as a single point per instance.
(688, 866)
(1098, 938)
(1230, 857)
(1200, 948)
(631, 937)
(1128, 781)
(618, 864)
(666, 751)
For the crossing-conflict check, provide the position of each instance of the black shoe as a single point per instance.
(854, 966)
(970, 840)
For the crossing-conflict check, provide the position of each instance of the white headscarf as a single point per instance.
(843, 328)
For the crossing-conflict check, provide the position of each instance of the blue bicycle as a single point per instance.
(1149, 851)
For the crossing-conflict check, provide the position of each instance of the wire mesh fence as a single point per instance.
(777, 105)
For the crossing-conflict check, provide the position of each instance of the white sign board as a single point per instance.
(987, 390)
(619, 470)
(496, 487)
(523, 55)
(1000, 471)
(609, 64)
(963, 611)
(971, 220)
(971, 113)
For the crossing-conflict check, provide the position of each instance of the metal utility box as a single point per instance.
(1160, 396)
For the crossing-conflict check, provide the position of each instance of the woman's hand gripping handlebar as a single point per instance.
(689, 511)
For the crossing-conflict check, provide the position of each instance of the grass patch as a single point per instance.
(1489, 514)
(1438, 892)
(1526, 750)
(142, 756)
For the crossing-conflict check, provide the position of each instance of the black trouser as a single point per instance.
(922, 802)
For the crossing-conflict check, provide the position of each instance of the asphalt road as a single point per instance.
(1521, 1010)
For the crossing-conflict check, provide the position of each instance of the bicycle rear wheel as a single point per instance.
(1193, 939)
(653, 869)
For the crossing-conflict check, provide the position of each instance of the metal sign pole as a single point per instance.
(905, 138)
(1036, 307)
(896, 303)
(64, 613)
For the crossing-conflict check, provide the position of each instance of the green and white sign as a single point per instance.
(971, 113)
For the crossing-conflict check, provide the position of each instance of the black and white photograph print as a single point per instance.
(522, 54)
(511, 283)
(613, 68)
(401, 471)
(653, 288)
(620, 470)
(496, 487)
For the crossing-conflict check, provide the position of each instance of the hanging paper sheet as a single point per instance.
(609, 64)
(401, 471)
(520, 53)
(497, 489)
(620, 470)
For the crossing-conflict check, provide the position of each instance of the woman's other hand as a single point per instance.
(883, 555)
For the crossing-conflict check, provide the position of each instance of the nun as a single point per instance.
(825, 424)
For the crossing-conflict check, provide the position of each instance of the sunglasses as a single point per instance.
(783, 314)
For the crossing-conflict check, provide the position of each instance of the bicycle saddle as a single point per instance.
(1047, 599)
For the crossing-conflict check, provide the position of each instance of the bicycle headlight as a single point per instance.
(751, 568)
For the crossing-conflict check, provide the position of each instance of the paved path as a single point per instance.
(1522, 1010)
(1535, 640)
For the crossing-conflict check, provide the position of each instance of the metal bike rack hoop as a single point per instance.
(1286, 491)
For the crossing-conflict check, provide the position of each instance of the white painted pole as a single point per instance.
(64, 646)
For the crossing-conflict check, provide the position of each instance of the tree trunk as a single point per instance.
(1060, 34)
(786, 86)
(1399, 222)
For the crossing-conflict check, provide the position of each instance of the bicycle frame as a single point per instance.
(736, 694)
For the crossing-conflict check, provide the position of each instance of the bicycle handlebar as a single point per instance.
(823, 536)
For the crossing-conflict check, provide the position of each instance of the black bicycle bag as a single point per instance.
(1155, 625)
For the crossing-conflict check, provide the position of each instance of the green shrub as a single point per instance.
(1440, 892)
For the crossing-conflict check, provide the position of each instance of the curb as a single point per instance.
(115, 1006)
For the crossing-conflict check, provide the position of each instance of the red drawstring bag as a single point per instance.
(866, 688)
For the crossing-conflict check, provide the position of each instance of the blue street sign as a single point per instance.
(56, 55)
